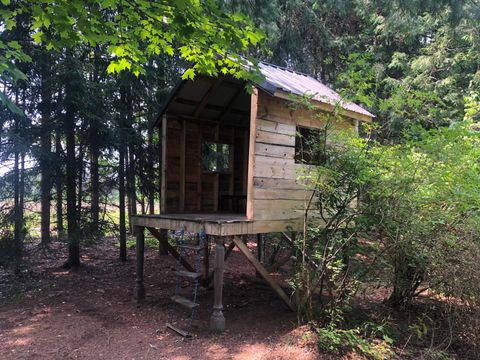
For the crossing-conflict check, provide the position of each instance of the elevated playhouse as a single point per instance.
(230, 163)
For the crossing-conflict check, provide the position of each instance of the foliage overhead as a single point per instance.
(211, 40)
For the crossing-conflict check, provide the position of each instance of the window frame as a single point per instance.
(228, 158)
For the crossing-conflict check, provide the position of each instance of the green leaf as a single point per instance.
(37, 37)
(189, 74)
(112, 67)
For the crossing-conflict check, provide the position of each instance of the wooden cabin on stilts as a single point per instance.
(229, 165)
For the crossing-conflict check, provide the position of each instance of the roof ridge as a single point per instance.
(287, 69)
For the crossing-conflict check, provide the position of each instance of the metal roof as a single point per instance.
(278, 78)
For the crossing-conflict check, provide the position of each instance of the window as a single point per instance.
(215, 157)
(309, 146)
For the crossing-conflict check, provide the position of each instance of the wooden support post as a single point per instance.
(250, 257)
(139, 290)
(227, 254)
(162, 250)
(206, 263)
(217, 320)
(260, 250)
(183, 145)
(251, 151)
(163, 169)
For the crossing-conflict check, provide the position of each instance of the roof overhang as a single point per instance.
(327, 107)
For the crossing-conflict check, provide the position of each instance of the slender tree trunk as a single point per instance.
(18, 202)
(121, 176)
(127, 189)
(17, 236)
(131, 185)
(45, 151)
(71, 169)
(121, 191)
(94, 157)
(80, 183)
(59, 184)
(94, 179)
(131, 188)
(21, 198)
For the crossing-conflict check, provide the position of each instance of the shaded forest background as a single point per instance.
(78, 155)
(406, 61)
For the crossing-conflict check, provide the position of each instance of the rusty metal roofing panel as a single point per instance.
(278, 78)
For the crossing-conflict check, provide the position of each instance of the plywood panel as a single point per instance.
(278, 209)
(278, 110)
(275, 138)
(275, 126)
(271, 183)
(281, 194)
(271, 167)
(280, 151)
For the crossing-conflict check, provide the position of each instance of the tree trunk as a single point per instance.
(94, 179)
(17, 235)
(131, 188)
(94, 156)
(127, 186)
(131, 183)
(18, 195)
(71, 169)
(121, 177)
(121, 191)
(45, 150)
(59, 184)
(80, 184)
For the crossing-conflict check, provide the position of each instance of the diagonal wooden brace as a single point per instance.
(262, 271)
(170, 249)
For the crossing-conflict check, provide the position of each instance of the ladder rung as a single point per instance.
(177, 330)
(188, 274)
(184, 302)
(191, 247)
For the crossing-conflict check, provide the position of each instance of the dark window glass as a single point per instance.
(309, 146)
(215, 157)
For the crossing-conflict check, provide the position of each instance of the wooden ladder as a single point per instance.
(185, 248)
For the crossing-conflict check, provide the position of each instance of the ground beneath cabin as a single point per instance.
(52, 313)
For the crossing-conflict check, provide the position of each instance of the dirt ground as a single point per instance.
(53, 313)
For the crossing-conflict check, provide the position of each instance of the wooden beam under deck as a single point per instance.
(211, 224)
(216, 224)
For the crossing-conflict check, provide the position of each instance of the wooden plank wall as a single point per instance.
(278, 197)
(187, 188)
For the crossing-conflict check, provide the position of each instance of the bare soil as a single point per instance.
(52, 313)
(48, 312)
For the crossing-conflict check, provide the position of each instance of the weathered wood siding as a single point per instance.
(279, 197)
(187, 188)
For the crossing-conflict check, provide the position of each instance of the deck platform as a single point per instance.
(212, 224)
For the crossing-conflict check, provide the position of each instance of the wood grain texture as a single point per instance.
(251, 151)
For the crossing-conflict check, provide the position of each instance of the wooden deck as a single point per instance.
(212, 224)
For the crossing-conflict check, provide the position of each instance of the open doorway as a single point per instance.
(205, 134)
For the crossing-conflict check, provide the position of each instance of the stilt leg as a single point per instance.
(217, 320)
(260, 250)
(206, 263)
(162, 250)
(139, 290)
